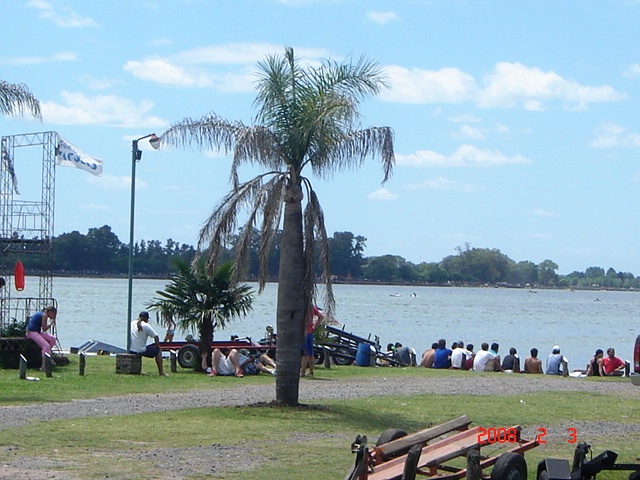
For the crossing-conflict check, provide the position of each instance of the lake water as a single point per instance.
(578, 321)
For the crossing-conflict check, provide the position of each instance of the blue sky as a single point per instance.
(517, 124)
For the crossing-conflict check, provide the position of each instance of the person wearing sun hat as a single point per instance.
(140, 331)
(556, 363)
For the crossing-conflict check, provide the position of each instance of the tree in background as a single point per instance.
(307, 117)
(200, 302)
(547, 275)
(346, 254)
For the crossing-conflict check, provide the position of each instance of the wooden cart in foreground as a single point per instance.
(398, 456)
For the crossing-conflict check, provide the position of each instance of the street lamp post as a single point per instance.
(136, 156)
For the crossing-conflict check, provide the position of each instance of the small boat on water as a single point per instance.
(395, 295)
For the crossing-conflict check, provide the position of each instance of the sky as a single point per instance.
(517, 124)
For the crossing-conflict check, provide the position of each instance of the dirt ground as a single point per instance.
(215, 459)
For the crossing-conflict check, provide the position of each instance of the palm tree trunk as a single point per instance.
(291, 301)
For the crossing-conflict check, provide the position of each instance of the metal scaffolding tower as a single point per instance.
(26, 226)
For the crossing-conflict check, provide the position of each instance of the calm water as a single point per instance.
(580, 321)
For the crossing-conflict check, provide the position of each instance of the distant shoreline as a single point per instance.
(370, 283)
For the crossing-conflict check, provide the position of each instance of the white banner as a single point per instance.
(68, 155)
(8, 166)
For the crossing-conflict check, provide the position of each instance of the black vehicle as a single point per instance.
(558, 469)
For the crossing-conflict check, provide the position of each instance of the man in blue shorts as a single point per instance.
(140, 330)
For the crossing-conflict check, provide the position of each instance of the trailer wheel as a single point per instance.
(510, 466)
(339, 359)
(389, 435)
(543, 475)
(318, 354)
(189, 356)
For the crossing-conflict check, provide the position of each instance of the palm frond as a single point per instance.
(221, 225)
(195, 296)
(315, 231)
(353, 149)
(17, 99)
(210, 132)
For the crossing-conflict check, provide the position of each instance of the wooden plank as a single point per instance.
(441, 451)
(402, 445)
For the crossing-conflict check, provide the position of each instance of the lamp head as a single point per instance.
(154, 141)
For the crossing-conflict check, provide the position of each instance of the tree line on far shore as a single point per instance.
(100, 252)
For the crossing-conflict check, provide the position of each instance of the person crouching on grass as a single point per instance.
(37, 331)
(140, 330)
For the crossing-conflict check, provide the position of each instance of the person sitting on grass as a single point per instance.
(429, 356)
(225, 365)
(613, 366)
(557, 363)
(533, 364)
(595, 364)
(442, 355)
(511, 363)
(253, 364)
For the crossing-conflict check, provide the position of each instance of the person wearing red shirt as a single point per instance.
(612, 366)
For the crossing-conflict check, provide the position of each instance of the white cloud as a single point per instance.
(611, 135)
(447, 85)
(187, 69)
(161, 71)
(98, 83)
(509, 85)
(465, 118)
(465, 155)
(63, 17)
(441, 183)
(513, 84)
(382, 18)
(94, 207)
(383, 194)
(80, 109)
(540, 212)
(55, 58)
(244, 54)
(113, 182)
(467, 132)
(632, 71)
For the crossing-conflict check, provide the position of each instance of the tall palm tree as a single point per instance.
(17, 99)
(307, 117)
(201, 302)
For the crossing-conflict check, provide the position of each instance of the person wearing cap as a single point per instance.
(556, 363)
(140, 331)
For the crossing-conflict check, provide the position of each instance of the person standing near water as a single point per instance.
(314, 318)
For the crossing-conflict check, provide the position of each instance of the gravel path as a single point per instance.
(190, 461)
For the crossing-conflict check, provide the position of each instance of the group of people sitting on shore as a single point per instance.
(487, 359)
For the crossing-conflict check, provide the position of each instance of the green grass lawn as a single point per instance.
(269, 442)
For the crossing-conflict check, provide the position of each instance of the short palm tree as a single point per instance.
(17, 99)
(201, 302)
(307, 117)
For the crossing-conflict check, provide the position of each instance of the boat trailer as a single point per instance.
(398, 456)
